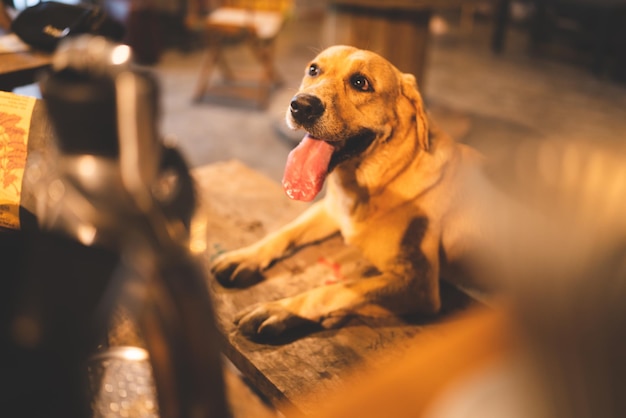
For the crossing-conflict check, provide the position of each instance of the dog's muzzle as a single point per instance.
(306, 108)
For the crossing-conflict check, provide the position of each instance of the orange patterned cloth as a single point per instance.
(15, 115)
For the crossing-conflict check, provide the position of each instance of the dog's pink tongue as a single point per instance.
(306, 168)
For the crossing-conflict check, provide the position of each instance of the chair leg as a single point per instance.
(502, 11)
(212, 56)
(270, 55)
(540, 27)
(264, 53)
(225, 69)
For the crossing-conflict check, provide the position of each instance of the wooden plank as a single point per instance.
(240, 206)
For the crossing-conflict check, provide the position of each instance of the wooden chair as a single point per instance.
(255, 23)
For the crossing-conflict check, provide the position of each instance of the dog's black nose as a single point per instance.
(306, 108)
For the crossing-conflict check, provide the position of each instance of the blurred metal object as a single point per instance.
(92, 54)
(115, 209)
(122, 384)
(95, 78)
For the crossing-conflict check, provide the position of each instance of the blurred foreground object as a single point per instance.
(554, 346)
(114, 207)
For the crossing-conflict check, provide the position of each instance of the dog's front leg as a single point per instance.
(331, 305)
(409, 283)
(244, 266)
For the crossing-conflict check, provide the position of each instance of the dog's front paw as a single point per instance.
(268, 320)
(236, 269)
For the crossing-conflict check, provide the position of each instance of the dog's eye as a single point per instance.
(360, 83)
(313, 70)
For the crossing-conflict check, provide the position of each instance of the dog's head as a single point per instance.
(351, 102)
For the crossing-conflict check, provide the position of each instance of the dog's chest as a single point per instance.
(342, 208)
(352, 214)
(353, 207)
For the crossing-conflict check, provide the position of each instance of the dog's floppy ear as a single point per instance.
(410, 91)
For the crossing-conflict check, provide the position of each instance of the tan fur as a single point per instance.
(406, 199)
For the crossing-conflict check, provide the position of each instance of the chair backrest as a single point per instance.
(266, 5)
(196, 9)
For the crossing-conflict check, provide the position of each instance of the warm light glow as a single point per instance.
(197, 246)
(120, 54)
(133, 353)
(86, 234)
(87, 166)
(197, 241)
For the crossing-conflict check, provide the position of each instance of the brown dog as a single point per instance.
(398, 189)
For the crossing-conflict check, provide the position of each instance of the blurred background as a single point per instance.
(493, 73)
(498, 70)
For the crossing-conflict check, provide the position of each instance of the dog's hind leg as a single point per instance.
(244, 266)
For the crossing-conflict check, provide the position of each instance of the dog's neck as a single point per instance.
(365, 189)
